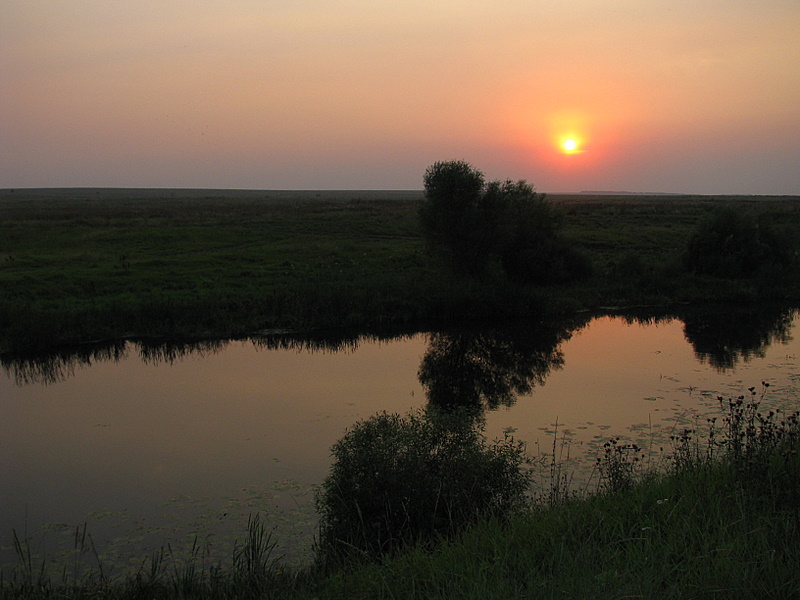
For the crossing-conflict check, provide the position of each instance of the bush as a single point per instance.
(734, 244)
(474, 225)
(398, 480)
(547, 260)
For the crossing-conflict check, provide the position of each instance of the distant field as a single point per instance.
(83, 264)
(132, 194)
(138, 194)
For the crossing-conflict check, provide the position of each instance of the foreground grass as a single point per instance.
(89, 265)
(686, 536)
(719, 519)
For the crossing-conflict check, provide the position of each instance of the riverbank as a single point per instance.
(715, 516)
(86, 265)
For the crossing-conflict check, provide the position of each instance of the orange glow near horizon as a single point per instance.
(367, 95)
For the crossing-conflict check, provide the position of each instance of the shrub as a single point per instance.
(734, 244)
(397, 480)
(533, 250)
(547, 260)
(474, 225)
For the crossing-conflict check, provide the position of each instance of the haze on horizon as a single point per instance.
(659, 96)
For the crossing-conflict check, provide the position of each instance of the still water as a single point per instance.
(155, 444)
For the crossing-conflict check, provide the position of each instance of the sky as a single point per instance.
(682, 96)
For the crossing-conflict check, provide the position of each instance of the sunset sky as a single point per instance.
(688, 96)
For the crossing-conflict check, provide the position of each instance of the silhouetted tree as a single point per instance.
(474, 225)
(453, 218)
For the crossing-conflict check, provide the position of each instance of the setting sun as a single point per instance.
(570, 146)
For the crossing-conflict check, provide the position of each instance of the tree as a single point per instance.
(451, 215)
(474, 225)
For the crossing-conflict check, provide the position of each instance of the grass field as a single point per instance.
(88, 264)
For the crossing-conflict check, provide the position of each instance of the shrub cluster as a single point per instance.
(735, 244)
(397, 480)
(475, 225)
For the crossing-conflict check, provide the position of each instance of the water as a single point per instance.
(151, 444)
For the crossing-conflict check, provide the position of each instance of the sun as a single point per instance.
(570, 145)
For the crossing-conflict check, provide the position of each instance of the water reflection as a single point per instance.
(203, 437)
(486, 369)
(170, 352)
(325, 341)
(52, 368)
(723, 338)
(481, 368)
(48, 369)
(55, 367)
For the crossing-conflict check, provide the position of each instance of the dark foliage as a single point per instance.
(454, 218)
(736, 244)
(487, 368)
(723, 338)
(475, 225)
(397, 480)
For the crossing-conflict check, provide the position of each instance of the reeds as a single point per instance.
(254, 572)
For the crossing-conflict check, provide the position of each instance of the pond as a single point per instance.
(149, 444)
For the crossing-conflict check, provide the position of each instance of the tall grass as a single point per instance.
(253, 572)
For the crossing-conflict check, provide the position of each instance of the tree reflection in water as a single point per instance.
(490, 367)
(724, 337)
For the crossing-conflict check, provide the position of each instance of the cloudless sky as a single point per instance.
(658, 95)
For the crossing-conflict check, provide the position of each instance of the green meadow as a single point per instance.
(84, 265)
